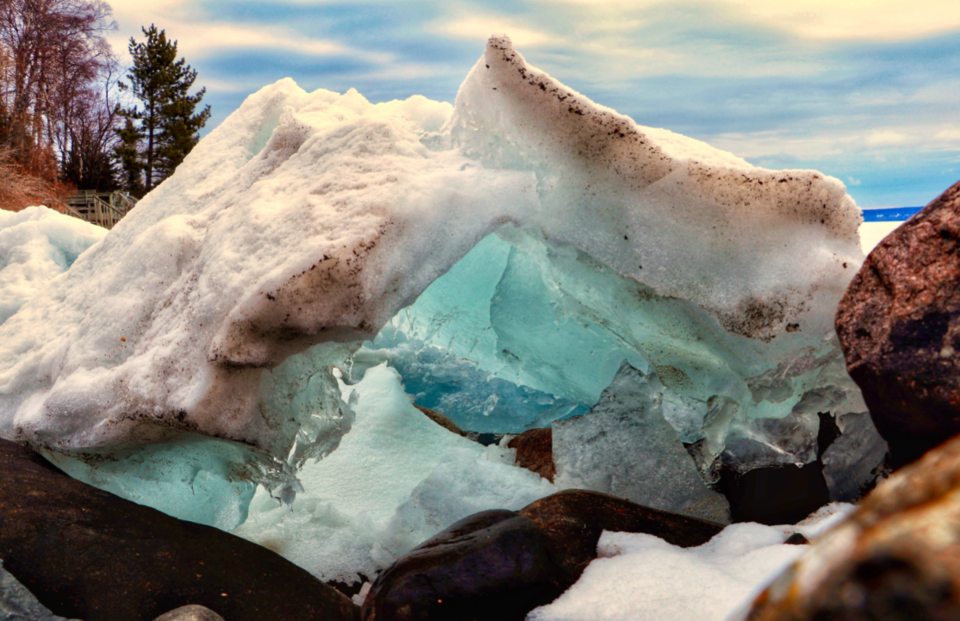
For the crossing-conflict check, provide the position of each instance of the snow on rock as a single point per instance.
(298, 228)
(639, 576)
(36, 245)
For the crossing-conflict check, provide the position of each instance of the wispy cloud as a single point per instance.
(890, 20)
(478, 28)
(886, 138)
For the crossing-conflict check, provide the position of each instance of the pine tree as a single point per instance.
(127, 154)
(168, 124)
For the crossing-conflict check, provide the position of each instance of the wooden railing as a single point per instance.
(102, 208)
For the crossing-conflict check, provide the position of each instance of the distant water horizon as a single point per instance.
(888, 214)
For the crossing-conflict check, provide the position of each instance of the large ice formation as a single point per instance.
(36, 245)
(506, 255)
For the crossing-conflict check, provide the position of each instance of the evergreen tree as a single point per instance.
(168, 124)
(127, 155)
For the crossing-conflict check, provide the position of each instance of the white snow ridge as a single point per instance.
(195, 350)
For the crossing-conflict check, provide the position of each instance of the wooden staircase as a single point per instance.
(102, 208)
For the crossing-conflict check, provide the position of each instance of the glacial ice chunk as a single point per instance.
(306, 222)
(626, 448)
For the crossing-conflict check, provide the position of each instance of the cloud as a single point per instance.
(885, 138)
(826, 20)
(949, 134)
(197, 36)
(480, 27)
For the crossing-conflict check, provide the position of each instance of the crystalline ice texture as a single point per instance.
(625, 447)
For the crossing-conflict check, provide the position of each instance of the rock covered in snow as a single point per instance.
(574, 520)
(305, 222)
(898, 322)
(895, 557)
(639, 576)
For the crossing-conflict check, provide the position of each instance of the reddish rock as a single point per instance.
(498, 565)
(535, 452)
(572, 521)
(896, 558)
(441, 419)
(899, 326)
(491, 566)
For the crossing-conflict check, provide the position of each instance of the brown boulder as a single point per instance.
(441, 419)
(535, 452)
(85, 553)
(573, 520)
(896, 558)
(899, 326)
(491, 566)
(499, 565)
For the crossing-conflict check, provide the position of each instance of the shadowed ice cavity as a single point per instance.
(522, 332)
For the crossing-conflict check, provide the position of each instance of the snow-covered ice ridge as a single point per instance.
(36, 245)
(207, 323)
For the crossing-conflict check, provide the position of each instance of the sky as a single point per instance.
(867, 91)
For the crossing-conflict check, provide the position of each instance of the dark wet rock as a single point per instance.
(499, 565)
(896, 558)
(190, 613)
(492, 565)
(19, 604)
(85, 553)
(572, 521)
(899, 326)
(485, 438)
(775, 494)
(827, 432)
(441, 420)
(350, 589)
(535, 452)
(797, 539)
